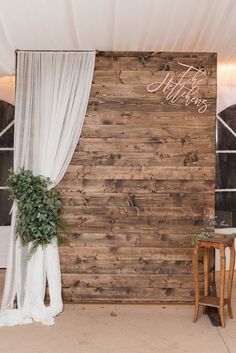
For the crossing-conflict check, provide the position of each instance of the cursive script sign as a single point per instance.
(186, 87)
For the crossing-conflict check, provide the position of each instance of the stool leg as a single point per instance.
(231, 277)
(206, 275)
(222, 284)
(196, 283)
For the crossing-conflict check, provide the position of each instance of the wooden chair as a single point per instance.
(220, 243)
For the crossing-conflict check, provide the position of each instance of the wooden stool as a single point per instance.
(218, 302)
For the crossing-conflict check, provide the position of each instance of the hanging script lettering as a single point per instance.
(186, 87)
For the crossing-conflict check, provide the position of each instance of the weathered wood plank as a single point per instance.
(144, 238)
(131, 77)
(127, 280)
(144, 159)
(119, 224)
(189, 200)
(141, 172)
(137, 118)
(152, 104)
(160, 61)
(135, 186)
(161, 230)
(91, 266)
(172, 213)
(185, 144)
(127, 77)
(134, 215)
(161, 55)
(139, 91)
(127, 253)
(128, 294)
(129, 132)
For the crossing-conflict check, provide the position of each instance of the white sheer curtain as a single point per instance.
(51, 101)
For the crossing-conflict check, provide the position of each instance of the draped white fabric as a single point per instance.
(155, 25)
(51, 101)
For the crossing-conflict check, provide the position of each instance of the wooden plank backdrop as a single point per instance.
(140, 183)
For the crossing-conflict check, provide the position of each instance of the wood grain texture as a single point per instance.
(140, 183)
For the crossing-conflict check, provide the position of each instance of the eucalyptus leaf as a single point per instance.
(39, 209)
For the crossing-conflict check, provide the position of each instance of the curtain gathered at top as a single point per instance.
(51, 100)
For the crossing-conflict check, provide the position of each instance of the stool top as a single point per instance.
(217, 239)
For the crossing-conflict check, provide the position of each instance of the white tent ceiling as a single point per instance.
(156, 25)
(148, 25)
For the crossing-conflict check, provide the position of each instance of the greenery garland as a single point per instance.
(38, 209)
(207, 236)
(200, 236)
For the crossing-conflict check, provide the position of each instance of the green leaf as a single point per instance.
(38, 209)
(200, 236)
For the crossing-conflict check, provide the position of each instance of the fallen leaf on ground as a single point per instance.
(113, 313)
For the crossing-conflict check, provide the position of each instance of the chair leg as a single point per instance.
(231, 277)
(222, 284)
(196, 283)
(206, 275)
(196, 312)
